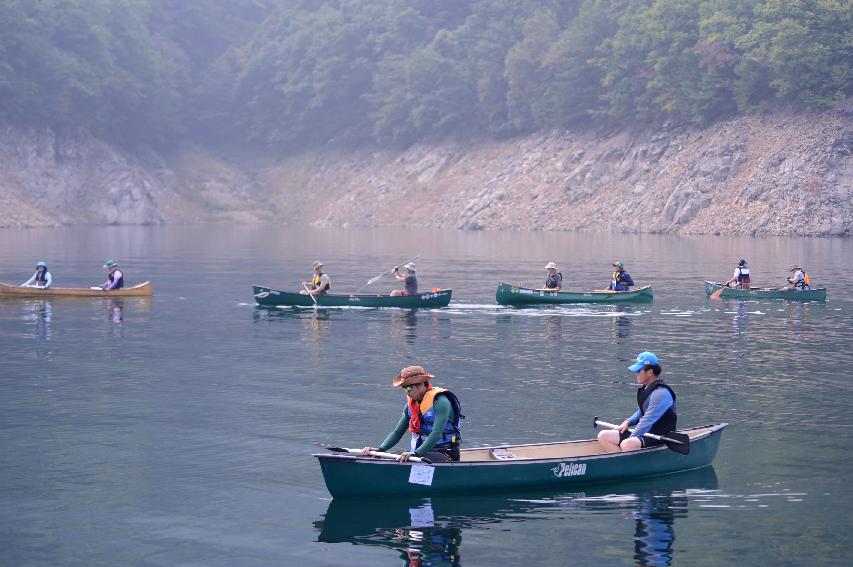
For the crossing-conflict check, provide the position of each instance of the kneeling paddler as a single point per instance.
(431, 415)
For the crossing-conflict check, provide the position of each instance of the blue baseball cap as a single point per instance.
(644, 359)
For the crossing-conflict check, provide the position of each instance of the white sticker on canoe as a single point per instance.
(421, 474)
(422, 516)
(569, 469)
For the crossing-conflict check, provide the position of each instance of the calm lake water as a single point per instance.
(179, 430)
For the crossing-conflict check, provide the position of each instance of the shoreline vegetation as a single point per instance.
(677, 116)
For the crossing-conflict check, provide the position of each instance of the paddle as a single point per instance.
(716, 294)
(379, 454)
(383, 274)
(678, 442)
(311, 295)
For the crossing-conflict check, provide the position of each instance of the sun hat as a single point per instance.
(41, 264)
(644, 359)
(550, 266)
(742, 262)
(795, 267)
(619, 264)
(411, 375)
(318, 264)
(110, 264)
(410, 266)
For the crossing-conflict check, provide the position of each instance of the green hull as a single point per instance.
(507, 294)
(759, 293)
(379, 519)
(272, 297)
(353, 475)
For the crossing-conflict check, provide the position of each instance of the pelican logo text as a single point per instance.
(569, 469)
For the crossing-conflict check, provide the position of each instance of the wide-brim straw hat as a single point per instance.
(318, 264)
(411, 375)
(795, 267)
(550, 266)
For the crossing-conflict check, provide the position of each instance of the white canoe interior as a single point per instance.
(561, 450)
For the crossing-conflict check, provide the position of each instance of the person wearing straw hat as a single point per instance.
(41, 278)
(409, 280)
(656, 411)
(432, 416)
(799, 281)
(320, 282)
(620, 280)
(554, 280)
(115, 277)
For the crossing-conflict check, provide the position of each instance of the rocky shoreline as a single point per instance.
(780, 174)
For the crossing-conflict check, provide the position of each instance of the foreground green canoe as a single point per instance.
(566, 463)
(273, 297)
(818, 294)
(507, 294)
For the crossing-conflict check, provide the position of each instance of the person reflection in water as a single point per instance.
(654, 534)
(430, 546)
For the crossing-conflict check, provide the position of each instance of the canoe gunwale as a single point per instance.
(815, 294)
(270, 297)
(517, 295)
(144, 289)
(711, 429)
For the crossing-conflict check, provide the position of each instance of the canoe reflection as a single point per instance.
(428, 531)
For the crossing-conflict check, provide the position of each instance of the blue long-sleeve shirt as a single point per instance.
(660, 401)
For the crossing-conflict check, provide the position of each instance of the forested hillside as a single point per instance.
(287, 75)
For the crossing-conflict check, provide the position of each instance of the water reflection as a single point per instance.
(42, 314)
(404, 325)
(428, 531)
(740, 317)
(553, 328)
(620, 325)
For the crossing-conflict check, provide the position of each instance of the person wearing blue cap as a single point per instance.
(41, 278)
(656, 412)
(115, 278)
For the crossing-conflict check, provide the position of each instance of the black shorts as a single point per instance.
(444, 453)
(645, 442)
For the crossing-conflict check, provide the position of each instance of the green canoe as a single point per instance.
(566, 463)
(273, 297)
(507, 294)
(818, 294)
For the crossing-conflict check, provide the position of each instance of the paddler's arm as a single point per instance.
(30, 281)
(443, 411)
(660, 401)
(395, 436)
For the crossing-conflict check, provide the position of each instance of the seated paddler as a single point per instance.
(554, 279)
(320, 282)
(620, 280)
(115, 277)
(799, 281)
(409, 280)
(656, 412)
(431, 415)
(41, 278)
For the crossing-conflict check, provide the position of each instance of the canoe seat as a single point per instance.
(503, 455)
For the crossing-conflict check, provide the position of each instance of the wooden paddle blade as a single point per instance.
(716, 294)
(337, 449)
(681, 443)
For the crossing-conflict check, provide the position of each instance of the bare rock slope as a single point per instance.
(787, 173)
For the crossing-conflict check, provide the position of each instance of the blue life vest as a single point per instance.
(41, 277)
(451, 434)
(120, 283)
(669, 419)
(555, 281)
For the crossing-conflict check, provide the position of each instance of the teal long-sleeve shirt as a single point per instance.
(443, 413)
